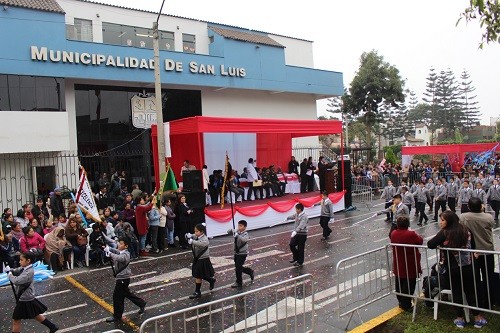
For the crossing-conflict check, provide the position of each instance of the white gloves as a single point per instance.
(204, 224)
(375, 215)
(106, 251)
(190, 241)
(331, 220)
(6, 270)
(189, 235)
(294, 233)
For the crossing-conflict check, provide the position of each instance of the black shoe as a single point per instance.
(252, 275)
(297, 264)
(212, 283)
(142, 309)
(171, 245)
(236, 285)
(387, 220)
(292, 261)
(112, 320)
(54, 329)
(419, 224)
(325, 238)
(195, 295)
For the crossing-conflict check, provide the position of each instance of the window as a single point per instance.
(117, 34)
(80, 30)
(188, 43)
(419, 131)
(31, 93)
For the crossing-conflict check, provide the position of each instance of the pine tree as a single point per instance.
(450, 114)
(468, 101)
(430, 98)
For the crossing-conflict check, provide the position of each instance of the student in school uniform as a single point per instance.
(452, 193)
(494, 197)
(326, 214)
(464, 195)
(27, 306)
(479, 193)
(439, 199)
(122, 273)
(421, 196)
(240, 253)
(407, 198)
(387, 194)
(202, 268)
(299, 235)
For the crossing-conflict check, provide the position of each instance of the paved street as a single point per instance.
(165, 281)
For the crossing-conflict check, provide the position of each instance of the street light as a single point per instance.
(158, 102)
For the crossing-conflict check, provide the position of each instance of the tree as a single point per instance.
(390, 157)
(449, 115)
(430, 97)
(468, 101)
(376, 83)
(488, 13)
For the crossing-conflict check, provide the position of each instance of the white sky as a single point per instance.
(411, 35)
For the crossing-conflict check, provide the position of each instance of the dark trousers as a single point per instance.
(439, 204)
(431, 203)
(323, 222)
(464, 208)
(310, 183)
(120, 293)
(405, 286)
(239, 261)
(153, 232)
(495, 205)
(161, 237)
(467, 282)
(452, 203)
(420, 207)
(297, 245)
(322, 182)
(485, 264)
(409, 209)
(390, 215)
(303, 184)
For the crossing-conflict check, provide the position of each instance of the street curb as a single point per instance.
(371, 324)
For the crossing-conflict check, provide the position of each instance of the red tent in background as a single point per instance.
(274, 136)
(457, 149)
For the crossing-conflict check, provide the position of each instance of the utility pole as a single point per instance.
(158, 101)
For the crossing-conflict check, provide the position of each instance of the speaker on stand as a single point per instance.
(345, 166)
(196, 201)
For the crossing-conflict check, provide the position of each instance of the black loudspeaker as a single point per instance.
(192, 181)
(346, 166)
(196, 201)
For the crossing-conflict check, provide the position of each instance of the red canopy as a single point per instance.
(296, 128)
(274, 136)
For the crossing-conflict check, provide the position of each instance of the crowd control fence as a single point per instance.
(287, 306)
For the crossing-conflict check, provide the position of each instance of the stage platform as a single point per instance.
(267, 212)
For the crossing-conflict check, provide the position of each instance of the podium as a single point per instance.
(330, 180)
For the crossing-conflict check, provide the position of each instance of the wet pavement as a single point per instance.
(165, 282)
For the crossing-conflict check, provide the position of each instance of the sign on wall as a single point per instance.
(143, 110)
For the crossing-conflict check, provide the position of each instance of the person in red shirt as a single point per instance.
(32, 241)
(141, 212)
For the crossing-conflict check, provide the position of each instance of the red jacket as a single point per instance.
(28, 243)
(406, 260)
(141, 212)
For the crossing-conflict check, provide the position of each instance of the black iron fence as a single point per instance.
(28, 176)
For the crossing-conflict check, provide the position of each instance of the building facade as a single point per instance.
(69, 69)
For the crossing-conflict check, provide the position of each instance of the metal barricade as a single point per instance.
(362, 195)
(362, 280)
(376, 183)
(287, 306)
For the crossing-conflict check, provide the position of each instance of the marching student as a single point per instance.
(407, 198)
(398, 209)
(240, 253)
(431, 187)
(479, 193)
(326, 214)
(452, 191)
(421, 196)
(439, 198)
(120, 264)
(27, 306)
(494, 197)
(202, 268)
(299, 235)
(387, 194)
(464, 196)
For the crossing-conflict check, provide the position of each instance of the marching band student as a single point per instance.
(27, 306)
(387, 194)
(202, 268)
(494, 197)
(452, 191)
(122, 273)
(464, 196)
(479, 193)
(326, 214)
(299, 235)
(240, 253)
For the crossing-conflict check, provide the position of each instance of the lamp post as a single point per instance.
(158, 101)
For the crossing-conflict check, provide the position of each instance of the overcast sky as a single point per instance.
(411, 35)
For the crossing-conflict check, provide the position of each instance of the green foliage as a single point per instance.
(488, 14)
(395, 148)
(424, 158)
(446, 142)
(390, 157)
(458, 136)
(486, 141)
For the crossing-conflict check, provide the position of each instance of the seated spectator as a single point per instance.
(57, 249)
(9, 251)
(28, 212)
(61, 220)
(7, 222)
(17, 231)
(77, 236)
(234, 188)
(108, 229)
(113, 220)
(40, 209)
(49, 226)
(36, 227)
(42, 220)
(33, 242)
(21, 218)
(283, 182)
(128, 214)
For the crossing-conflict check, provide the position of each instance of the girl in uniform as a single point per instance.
(202, 267)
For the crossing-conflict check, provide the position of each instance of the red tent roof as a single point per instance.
(296, 128)
(448, 149)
